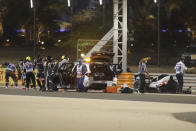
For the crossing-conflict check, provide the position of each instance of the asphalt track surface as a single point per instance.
(146, 97)
(94, 111)
(35, 113)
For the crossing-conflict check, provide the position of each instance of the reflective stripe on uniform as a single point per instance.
(180, 68)
(79, 71)
(28, 66)
(142, 68)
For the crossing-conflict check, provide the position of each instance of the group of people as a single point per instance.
(45, 65)
(180, 69)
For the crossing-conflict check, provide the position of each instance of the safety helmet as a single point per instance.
(182, 58)
(80, 60)
(62, 57)
(28, 58)
(48, 58)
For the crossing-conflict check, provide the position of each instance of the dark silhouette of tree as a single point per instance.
(18, 13)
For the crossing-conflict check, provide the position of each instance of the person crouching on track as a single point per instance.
(28, 68)
(40, 73)
(80, 72)
(10, 72)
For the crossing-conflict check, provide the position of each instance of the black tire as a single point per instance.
(85, 89)
(159, 90)
(55, 88)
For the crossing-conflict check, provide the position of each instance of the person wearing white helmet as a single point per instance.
(40, 73)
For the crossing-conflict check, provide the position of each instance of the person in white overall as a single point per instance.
(80, 72)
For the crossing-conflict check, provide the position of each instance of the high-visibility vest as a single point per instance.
(28, 66)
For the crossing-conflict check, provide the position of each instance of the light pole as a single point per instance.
(33, 6)
(103, 13)
(100, 2)
(158, 31)
(68, 3)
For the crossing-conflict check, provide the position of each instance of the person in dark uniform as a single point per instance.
(29, 68)
(19, 68)
(56, 65)
(10, 72)
(48, 72)
(40, 73)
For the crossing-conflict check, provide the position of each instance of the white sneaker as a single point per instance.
(6, 87)
(17, 87)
